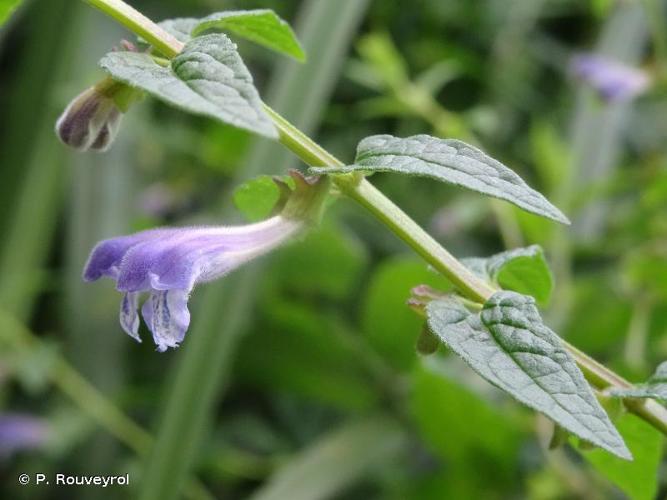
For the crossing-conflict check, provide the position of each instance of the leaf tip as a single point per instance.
(562, 218)
(621, 450)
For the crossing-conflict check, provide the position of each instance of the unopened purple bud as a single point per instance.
(613, 80)
(92, 119)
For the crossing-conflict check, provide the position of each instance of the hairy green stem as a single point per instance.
(421, 242)
(139, 24)
(364, 193)
(386, 211)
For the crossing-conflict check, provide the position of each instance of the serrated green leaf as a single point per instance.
(262, 26)
(637, 479)
(451, 161)
(207, 78)
(654, 388)
(7, 8)
(509, 346)
(257, 198)
(523, 270)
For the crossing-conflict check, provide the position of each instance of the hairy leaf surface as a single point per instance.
(207, 78)
(451, 161)
(508, 345)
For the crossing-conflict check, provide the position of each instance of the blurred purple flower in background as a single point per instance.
(169, 262)
(21, 432)
(613, 80)
(159, 200)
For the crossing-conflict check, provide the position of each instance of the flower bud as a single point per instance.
(92, 119)
(427, 342)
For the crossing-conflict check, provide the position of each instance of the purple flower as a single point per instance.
(20, 432)
(167, 263)
(613, 80)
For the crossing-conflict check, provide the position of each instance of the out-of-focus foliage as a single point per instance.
(7, 7)
(328, 396)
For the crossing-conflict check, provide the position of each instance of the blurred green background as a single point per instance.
(299, 377)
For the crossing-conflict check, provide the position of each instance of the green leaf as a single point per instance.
(523, 270)
(7, 8)
(654, 388)
(257, 198)
(451, 161)
(207, 78)
(509, 346)
(262, 26)
(639, 478)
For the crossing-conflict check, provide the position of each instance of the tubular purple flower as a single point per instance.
(613, 80)
(169, 262)
(21, 432)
